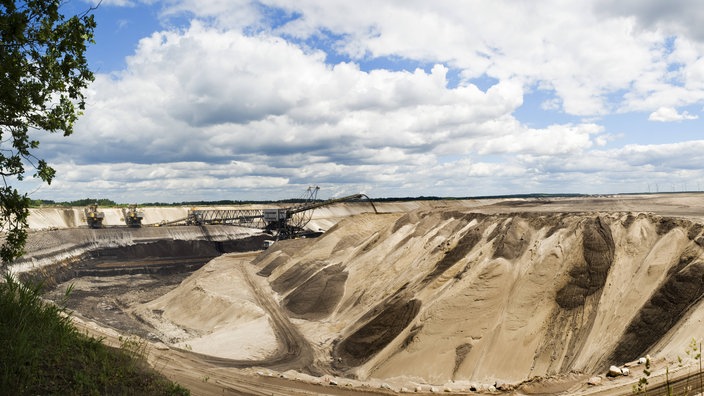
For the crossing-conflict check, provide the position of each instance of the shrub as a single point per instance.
(43, 353)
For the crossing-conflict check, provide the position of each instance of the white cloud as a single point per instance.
(226, 95)
(554, 140)
(668, 114)
(674, 16)
(237, 105)
(562, 46)
(118, 3)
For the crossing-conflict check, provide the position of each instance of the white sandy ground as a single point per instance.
(213, 312)
(47, 218)
(503, 307)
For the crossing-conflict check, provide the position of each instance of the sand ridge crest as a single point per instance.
(465, 292)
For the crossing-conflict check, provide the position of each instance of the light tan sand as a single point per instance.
(461, 292)
(215, 313)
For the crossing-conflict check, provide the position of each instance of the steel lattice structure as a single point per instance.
(284, 222)
(244, 217)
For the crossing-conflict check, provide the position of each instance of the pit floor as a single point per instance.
(107, 300)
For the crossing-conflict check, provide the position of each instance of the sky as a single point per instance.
(257, 100)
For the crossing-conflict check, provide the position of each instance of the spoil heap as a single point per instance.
(445, 294)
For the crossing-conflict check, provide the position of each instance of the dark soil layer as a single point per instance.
(69, 217)
(457, 253)
(274, 264)
(510, 243)
(461, 353)
(106, 299)
(668, 305)
(377, 333)
(166, 256)
(295, 276)
(317, 297)
(588, 278)
(106, 281)
(176, 248)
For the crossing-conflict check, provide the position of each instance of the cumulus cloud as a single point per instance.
(256, 100)
(677, 16)
(564, 47)
(668, 114)
(228, 95)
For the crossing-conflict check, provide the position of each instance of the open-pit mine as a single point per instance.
(522, 296)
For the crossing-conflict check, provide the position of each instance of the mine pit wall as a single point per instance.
(74, 217)
(52, 218)
(465, 296)
(58, 255)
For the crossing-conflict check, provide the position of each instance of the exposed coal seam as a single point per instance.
(165, 256)
(590, 277)
(375, 335)
(668, 305)
(318, 296)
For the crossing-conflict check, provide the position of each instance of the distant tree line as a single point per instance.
(35, 203)
(105, 202)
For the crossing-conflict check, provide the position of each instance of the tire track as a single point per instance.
(297, 350)
(294, 353)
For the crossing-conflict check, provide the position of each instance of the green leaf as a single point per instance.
(43, 75)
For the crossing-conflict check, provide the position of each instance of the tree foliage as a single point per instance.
(43, 73)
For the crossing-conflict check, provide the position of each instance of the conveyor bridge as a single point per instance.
(244, 217)
(285, 222)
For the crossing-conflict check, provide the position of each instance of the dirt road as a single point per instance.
(294, 351)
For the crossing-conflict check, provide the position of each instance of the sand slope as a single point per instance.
(212, 316)
(455, 291)
(453, 295)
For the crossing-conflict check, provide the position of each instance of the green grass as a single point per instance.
(42, 353)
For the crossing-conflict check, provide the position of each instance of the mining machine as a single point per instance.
(94, 218)
(281, 222)
(133, 216)
(286, 223)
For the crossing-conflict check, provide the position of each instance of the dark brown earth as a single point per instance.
(319, 295)
(681, 291)
(107, 299)
(375, 334)
(589, 277)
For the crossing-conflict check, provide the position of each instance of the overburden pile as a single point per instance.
(449, 295)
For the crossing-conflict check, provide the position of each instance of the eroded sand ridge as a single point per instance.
(451, 292)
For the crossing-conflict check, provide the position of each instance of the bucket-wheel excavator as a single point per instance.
(133, 216)
(281, 222)
(290, 222)
(94, 218)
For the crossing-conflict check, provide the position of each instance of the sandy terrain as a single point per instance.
(531, 295)
(214, 312)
